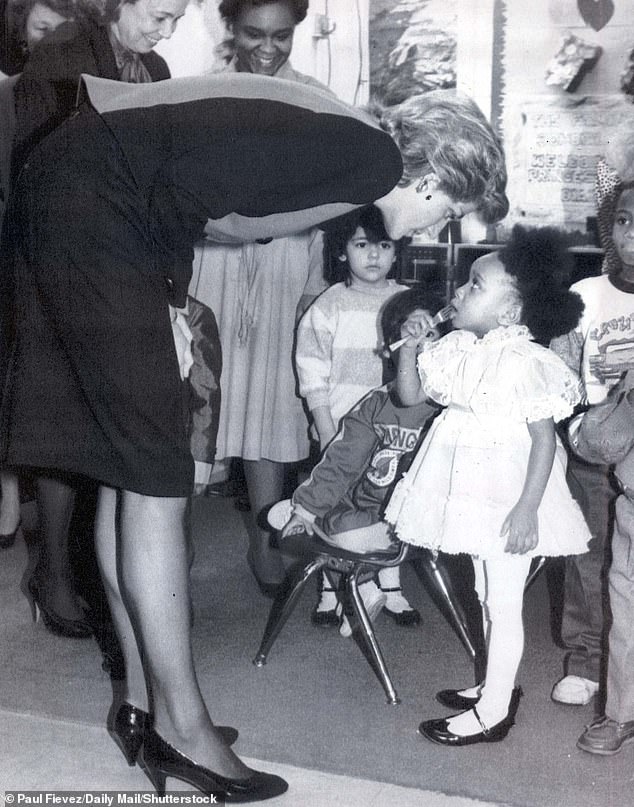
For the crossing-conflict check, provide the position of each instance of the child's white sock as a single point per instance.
(373, 599)
(390, 582)
(327, 597)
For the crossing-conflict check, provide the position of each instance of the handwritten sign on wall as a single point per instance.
(552, 146)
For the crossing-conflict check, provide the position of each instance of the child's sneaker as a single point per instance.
(398, 608)
(373, 599)
(574, 690)
(279, 515)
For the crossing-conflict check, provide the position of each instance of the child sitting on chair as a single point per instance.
(347, 489)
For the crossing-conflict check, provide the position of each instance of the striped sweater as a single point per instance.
(338, 354)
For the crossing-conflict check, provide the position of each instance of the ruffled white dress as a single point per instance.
(471, 468)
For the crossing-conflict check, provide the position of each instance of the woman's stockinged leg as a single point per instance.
(106, 544)
(154, 577)
(55, 502)
(10, 507)
(265, 485)
(503, 579)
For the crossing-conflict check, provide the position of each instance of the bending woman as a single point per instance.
(95, 383)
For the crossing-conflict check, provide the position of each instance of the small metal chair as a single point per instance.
(351, 566)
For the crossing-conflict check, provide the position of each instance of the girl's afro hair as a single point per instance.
(541, 266)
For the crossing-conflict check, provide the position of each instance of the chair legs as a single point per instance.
(536, 568)
(455, 612)
(283, 607)
(367, 631)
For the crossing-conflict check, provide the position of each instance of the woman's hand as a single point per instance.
(296, 524)
(521, 528)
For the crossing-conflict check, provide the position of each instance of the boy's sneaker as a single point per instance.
(279, 515)
(606, 737)
(574, 690)
(398, 608)
(373, 599)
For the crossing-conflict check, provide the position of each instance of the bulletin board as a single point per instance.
(553, 138)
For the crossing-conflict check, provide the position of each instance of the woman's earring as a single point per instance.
(422, 185)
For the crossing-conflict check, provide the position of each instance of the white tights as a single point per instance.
(499, 584)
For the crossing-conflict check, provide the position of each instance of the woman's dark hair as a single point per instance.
(340, 230)
(19, 10)
(541, 266)
(230, 10)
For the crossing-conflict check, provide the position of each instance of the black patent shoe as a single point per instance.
(54, 623)
(404, 619)
(325, 619)
(452, 699)
(438, 731)
(131, 724)
(128, 730)
(160, 760)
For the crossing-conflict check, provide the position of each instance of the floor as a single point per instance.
(40, 754)
(54, 696)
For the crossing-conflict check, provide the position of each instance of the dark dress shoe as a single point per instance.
(438, 731)
(58, 625)
(228, 734)
(405, 619)
(128, 730)
(452, 699)
(160, 760)
(325, 619)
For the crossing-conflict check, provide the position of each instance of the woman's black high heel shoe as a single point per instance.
(131, 724)
(129, 727)
(438, 731)
(7, 539)
(59, 625)
(160, 760)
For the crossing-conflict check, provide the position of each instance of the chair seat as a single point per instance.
(304, 544)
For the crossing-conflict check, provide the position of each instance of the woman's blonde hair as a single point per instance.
(446, 133)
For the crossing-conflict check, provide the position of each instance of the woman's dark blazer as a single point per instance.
(46, 92)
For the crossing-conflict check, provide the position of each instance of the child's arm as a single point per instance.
(313, 361)
(521, 523)
(325, 425)
(345, 461)
(409, 384)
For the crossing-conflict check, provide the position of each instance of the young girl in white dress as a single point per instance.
(489, 479)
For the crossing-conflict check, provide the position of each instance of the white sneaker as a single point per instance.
(574, 690)
(279, 515)
(373, 599)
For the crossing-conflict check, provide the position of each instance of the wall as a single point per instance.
(553, 137)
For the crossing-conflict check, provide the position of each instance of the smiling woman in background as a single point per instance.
(117, 46)
(254, 290)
